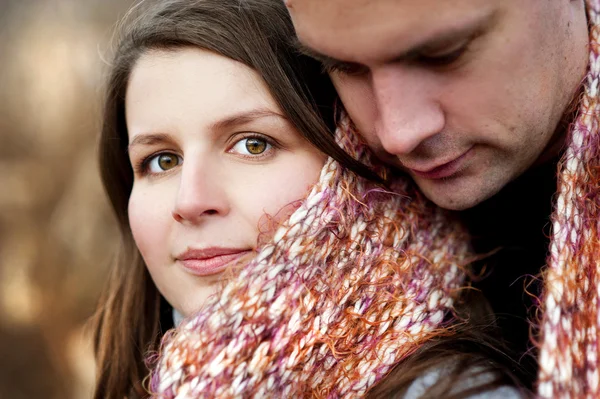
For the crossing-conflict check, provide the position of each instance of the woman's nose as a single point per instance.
(201, 193)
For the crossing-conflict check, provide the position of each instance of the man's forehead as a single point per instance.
(338, 4)
(339, 13)
(340, 28)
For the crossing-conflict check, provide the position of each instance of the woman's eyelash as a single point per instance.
(142, 166)
(258, 136)
(270, 141)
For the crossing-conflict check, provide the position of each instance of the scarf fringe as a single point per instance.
(356, 280)
(569, 350)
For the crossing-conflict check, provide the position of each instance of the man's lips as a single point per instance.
(209, 261)
(443, 170)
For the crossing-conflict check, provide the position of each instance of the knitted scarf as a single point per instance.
(359, 277)
(569, 341)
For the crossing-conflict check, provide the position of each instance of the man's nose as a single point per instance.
(201, 193)
(408, 111)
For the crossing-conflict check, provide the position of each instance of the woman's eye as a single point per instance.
(251, 146)
(163, 162)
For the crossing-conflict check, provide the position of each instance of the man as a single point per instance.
(471, 98)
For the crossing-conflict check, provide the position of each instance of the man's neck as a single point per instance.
(518, 212)
(558, 140)
(554, 147)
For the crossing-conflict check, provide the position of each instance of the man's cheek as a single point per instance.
(359, 101)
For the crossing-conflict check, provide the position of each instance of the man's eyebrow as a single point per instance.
(448, 37)
(328, 62)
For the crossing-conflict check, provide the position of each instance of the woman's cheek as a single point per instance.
(148, 219)
(279, 201)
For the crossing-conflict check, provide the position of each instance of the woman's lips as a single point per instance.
(209, 261)
(443, 171)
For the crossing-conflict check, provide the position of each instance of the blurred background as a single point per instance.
(56, 231)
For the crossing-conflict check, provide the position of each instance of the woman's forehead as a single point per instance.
(194, 85)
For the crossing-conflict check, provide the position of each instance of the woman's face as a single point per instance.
(212, 153)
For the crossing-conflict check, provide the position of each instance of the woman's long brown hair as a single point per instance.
(259, 34)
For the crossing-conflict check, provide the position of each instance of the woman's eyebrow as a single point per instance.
(228, 122)
(148, 139)
(244, 117)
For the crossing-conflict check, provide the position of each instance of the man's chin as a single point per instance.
(456, 194)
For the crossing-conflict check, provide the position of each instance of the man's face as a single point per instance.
(464, 95)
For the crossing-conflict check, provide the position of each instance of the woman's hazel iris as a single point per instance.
(256, 146)
(167, 161)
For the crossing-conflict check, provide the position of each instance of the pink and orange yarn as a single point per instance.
(569, 342)
(358, 278)
(355, 280)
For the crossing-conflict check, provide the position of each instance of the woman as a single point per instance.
(212, 125)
